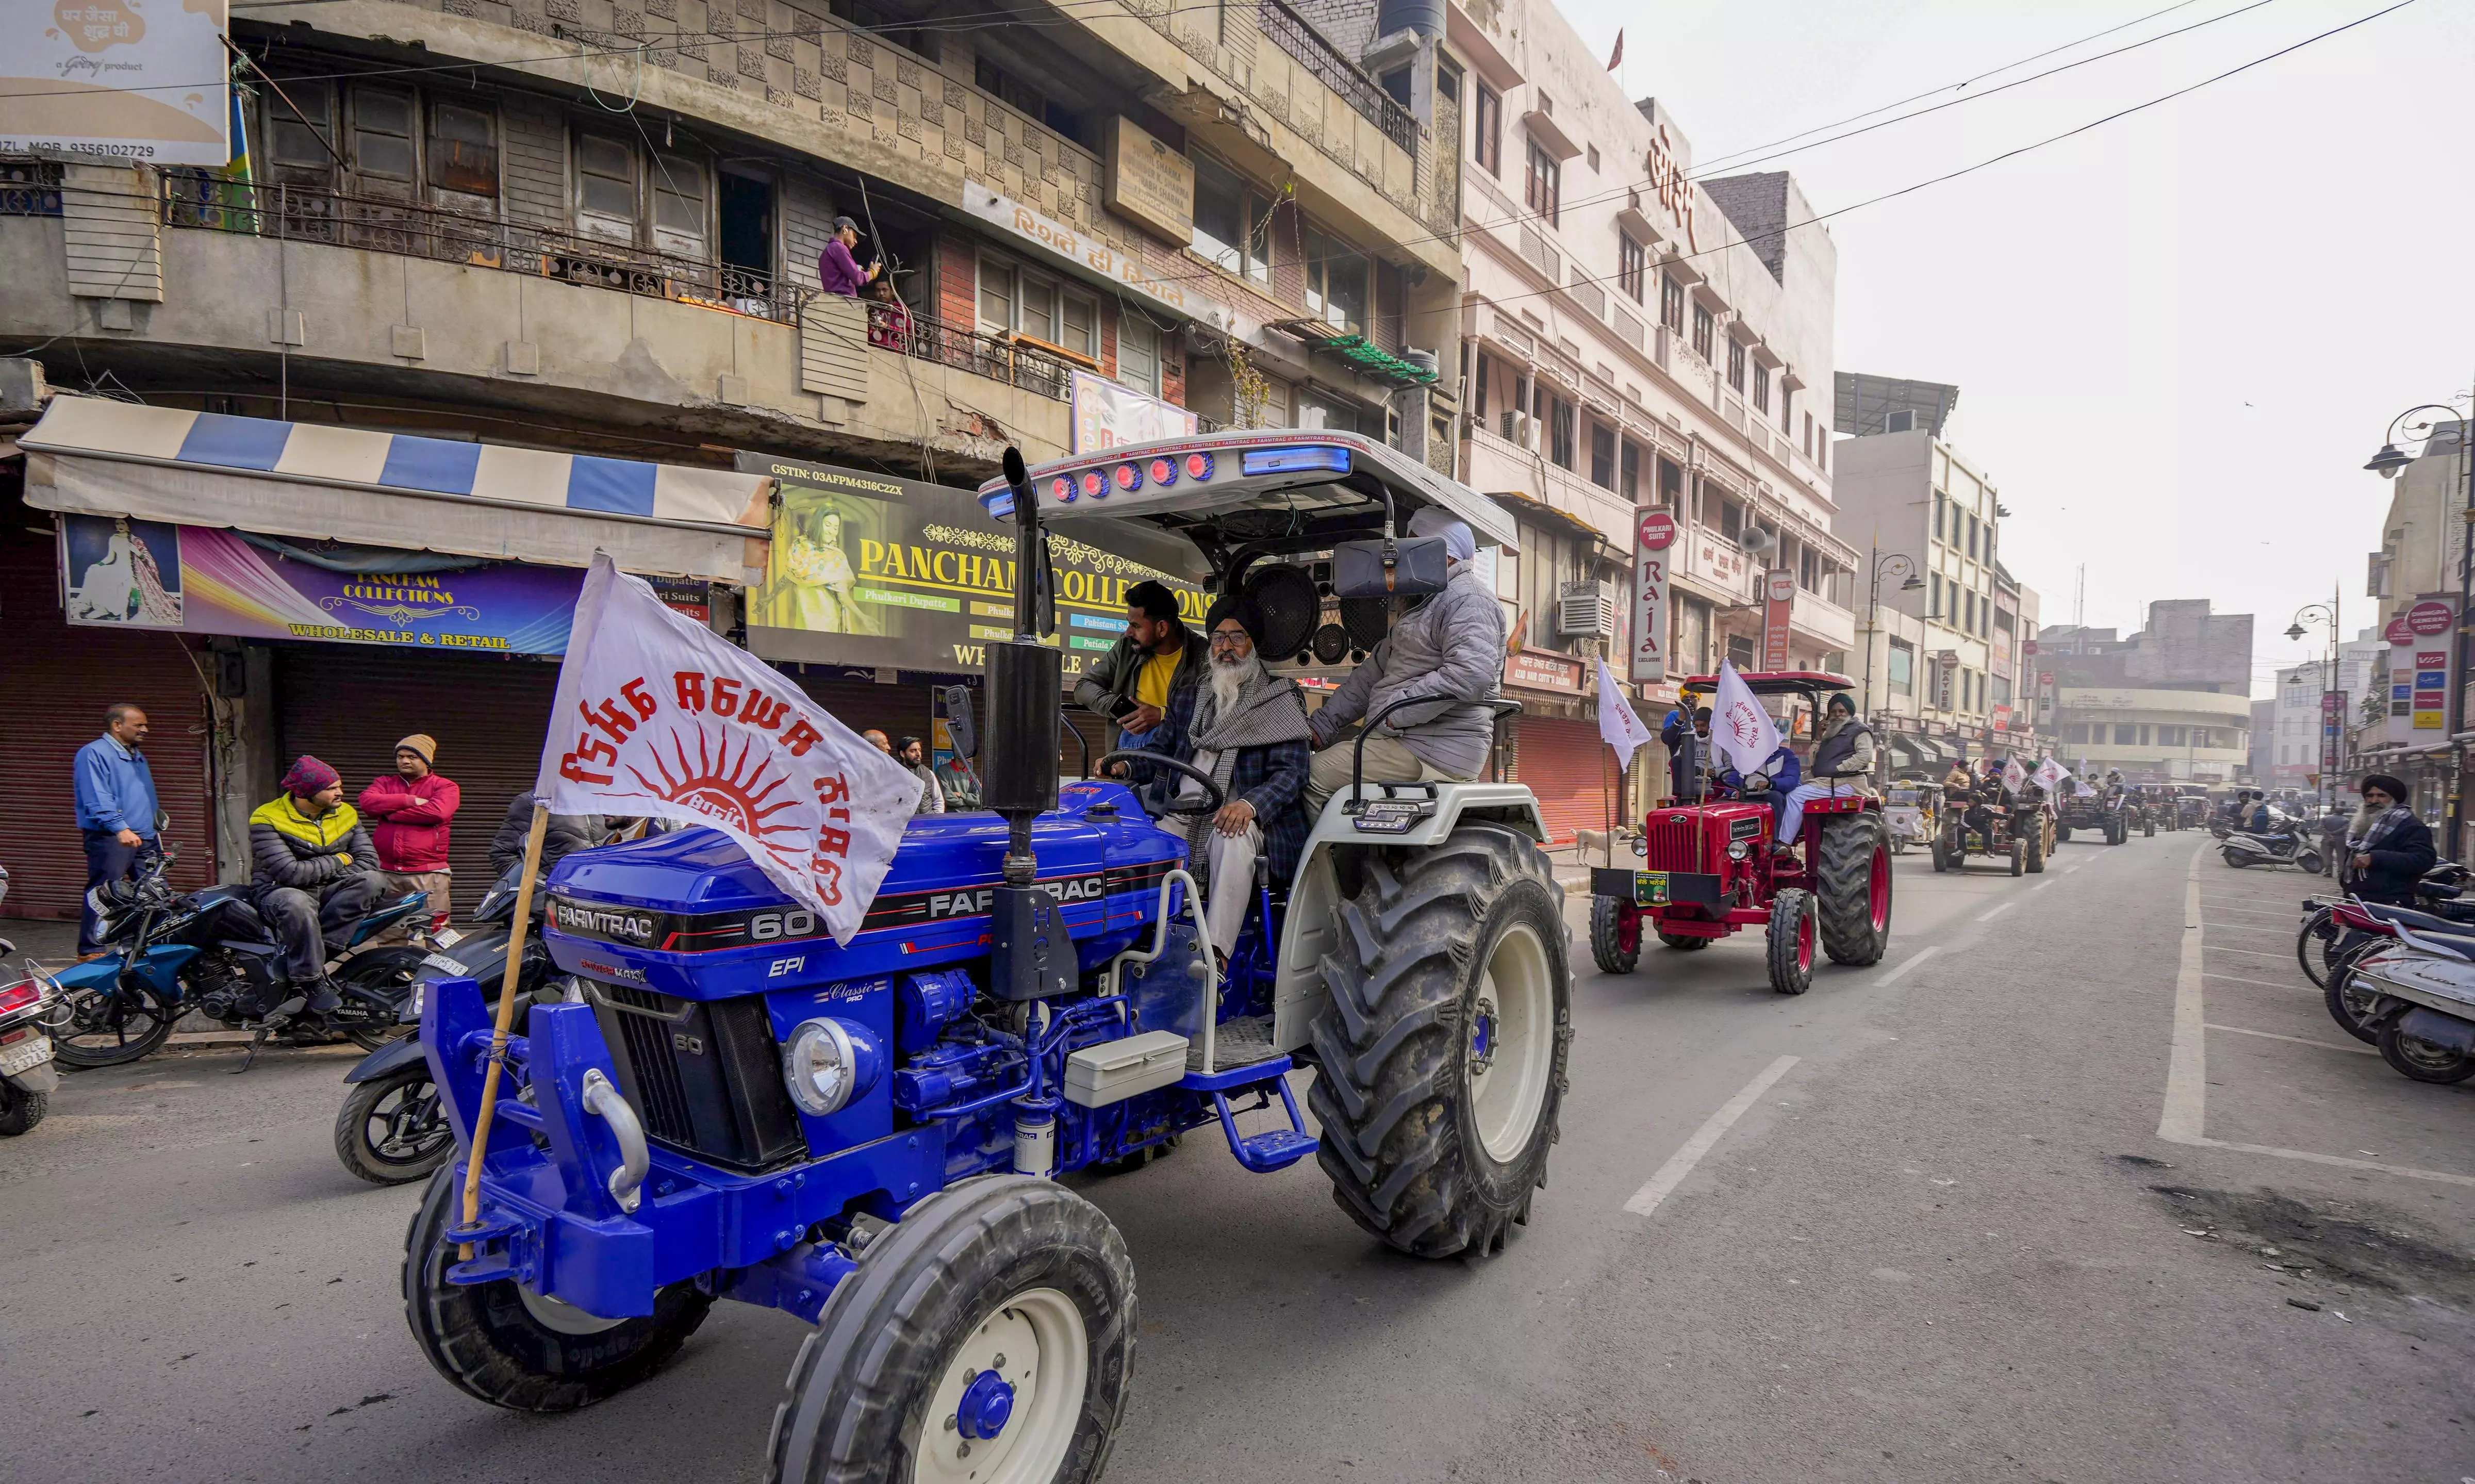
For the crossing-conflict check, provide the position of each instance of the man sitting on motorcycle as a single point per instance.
(317, 874)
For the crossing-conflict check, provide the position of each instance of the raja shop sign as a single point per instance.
(1779, 605)
(1653, 535)
(123, 573)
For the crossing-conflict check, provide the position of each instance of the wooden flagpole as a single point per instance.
(506, 1017)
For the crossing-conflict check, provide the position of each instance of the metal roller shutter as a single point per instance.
(1570, 770)
(895, 710)
(346, 705)
(59, 680)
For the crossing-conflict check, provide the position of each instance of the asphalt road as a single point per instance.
(1941, 1239)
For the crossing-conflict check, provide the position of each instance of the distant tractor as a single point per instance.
(1710, 868)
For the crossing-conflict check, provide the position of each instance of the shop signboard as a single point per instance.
(1779, 608)
(1542, 671)
(1110, 416)
(195, 580)
(1654, 535)
(1145, 180)
(1126, 270)
(114, 82)
(2422, 660)
(868, 569)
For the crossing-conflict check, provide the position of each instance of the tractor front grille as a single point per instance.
(705, 1075)
(1675, 843)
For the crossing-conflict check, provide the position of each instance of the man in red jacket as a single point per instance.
(408, 817)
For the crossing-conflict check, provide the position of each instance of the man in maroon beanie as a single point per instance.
(315, 873)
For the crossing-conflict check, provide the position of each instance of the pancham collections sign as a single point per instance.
(115, 80)
(196, 579)
(870, 569)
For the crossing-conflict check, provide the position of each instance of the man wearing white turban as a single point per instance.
(1451, 647)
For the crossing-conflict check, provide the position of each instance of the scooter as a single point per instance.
(28, 1076)
(2287, 847)
(2423, 1013)
(393, 1127)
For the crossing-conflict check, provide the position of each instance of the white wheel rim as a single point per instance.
(562, 1317)
(1036, 1343)
(1511, 1047)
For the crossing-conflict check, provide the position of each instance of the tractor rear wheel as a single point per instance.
(1788, 951)
(1613, 948)
(2037, 850)
(1442, 1049)
(1855, 898)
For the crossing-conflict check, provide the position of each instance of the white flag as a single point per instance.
(2013, 776)
(2049, 774)
(656, 716)
(1742, 733)
(1619, 723)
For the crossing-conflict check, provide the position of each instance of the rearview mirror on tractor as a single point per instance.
(956, 702)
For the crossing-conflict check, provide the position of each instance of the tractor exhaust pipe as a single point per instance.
(1031, 957)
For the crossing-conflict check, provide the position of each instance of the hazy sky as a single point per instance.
(2178, 336)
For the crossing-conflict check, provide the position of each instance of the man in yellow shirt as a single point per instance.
(1132, 683)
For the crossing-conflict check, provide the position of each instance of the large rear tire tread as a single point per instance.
(1606, 934)
(489, 1345)
(1849, 936)
(855, 1395)
(1400, 1139)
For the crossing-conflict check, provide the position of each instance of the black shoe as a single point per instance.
(323, 998)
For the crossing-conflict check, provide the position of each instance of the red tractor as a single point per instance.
(1709, 867)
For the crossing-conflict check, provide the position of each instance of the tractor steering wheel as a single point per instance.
(1170, 805)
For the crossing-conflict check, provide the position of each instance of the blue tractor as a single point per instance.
(725, 1104)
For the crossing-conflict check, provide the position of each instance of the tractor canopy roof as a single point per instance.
(1258, 491)
(1812, 683)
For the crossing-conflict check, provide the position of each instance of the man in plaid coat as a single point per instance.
(1246, 727)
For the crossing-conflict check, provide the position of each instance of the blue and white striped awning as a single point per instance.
(320, 483)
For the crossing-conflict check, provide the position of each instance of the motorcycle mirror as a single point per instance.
(163, 822)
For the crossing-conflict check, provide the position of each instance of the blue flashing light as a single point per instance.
(1281, 461)
(1000, 505)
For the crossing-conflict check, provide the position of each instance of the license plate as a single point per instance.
(29, 1054)
(447, 937)
(1650, 888)
(450, 967)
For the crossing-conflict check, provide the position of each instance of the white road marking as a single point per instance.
(2264, 983)
(1996, 912)
(1680, 1164)
(2254, 953)
(2068, 869)
(2041, 886)
(1910, 962)
(2299, 1040)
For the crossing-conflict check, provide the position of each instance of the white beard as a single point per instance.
(1229, 677)
(2365, 817)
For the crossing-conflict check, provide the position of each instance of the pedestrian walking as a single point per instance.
(411, 814)
(115, 809)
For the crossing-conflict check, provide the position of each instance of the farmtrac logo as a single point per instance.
(605, 921)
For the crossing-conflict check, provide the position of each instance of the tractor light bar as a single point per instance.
(1281, 461)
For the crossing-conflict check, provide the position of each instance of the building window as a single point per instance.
(2169, 736)
(1706, 327)
(605, 188)
(1762, 390)
(1735, 363)
(1139, 353)
(1975, 527)
(1603, 456)
(1740, 651)
(464, 149)
(1560, 431)
(1486, 131)
(1232, 224)
(2127, 735)
(299, 145)
(1903, 667)
(679, 195)
(1016, 301)
(1632, 268)
(1933, 594)
(1594, 160)
(382, 138)
(1670, 483)
(1732, 519)
(1335, 283)
(1542, 184)
(1671, 303)
(1808, 435)
(1628, 472)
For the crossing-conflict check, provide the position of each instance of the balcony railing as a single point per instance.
(1290, 33)
(300, 215)
(30, 187)
(994, 356)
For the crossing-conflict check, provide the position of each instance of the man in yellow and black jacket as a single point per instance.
(315, 872)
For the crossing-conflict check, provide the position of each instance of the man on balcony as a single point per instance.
(837, 270)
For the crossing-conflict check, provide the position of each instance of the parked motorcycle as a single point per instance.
(27, 1075)
(393, 1128)
(2287, 847)
(2423, 1014)
(166, 954)
(2337, 933)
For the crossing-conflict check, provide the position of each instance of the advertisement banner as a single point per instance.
(1653, 535)
(109, 81)
(1778, 606)
(1109, 416)
(868, 569)
(2422, 658)
(196, 579)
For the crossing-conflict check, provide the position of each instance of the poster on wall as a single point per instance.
(123, 573)
(870, 569)
(1110, 416)
(115, 81)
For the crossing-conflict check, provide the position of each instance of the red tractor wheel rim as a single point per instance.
(1805, 940)
(1877, 889)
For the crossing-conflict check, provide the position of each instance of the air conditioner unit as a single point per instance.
(1583, 611)
(1520, 427)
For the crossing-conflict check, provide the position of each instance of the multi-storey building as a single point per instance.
(1634, 337)
(503, 282)
(1943, 627)
(2172, 704)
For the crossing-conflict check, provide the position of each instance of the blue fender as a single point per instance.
(392, 1058)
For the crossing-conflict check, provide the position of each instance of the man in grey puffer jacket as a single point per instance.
(1451, 646)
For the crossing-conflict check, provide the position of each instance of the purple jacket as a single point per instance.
(837, 272)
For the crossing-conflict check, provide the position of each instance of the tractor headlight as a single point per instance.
(1641, 847)
(1738, 849)
(827, 1062)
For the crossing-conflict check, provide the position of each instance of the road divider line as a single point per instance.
(2186, 1071)
(2310, 1157)
(2041, 886)
(1910, 962)
(1680, 1164)
(2298, 1040)
(1996, 912)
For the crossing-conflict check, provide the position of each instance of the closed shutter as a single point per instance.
(346, 705)
(1569, 770)
(897, 710)
(60, 679)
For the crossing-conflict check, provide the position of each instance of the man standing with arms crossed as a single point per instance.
(410, 815)
(115, 809)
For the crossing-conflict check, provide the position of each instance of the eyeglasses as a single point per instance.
(1221, 638)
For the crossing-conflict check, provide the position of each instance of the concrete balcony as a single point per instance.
(1823, 622)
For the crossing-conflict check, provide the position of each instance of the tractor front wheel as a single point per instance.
(1855, 898)
(1442, 1049)
(2061, 834)
(2018, 856)
(1789, 948)
(1615, 935)
(989, 1336)
(2037, 849)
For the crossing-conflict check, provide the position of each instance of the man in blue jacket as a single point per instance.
(115, 809)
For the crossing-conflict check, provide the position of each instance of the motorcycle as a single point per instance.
(27, 1075)
(2339, 933)
(393, 1127)
(2423, 1004)
(168, 954)
(2287, 847)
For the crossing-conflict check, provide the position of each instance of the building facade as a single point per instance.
(2169, 704)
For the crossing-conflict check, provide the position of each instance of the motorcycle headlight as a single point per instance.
(827, 1062)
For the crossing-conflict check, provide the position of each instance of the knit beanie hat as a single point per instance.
(308, 776)
(421, 743)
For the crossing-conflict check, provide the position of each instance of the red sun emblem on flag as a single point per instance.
(741, 794)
